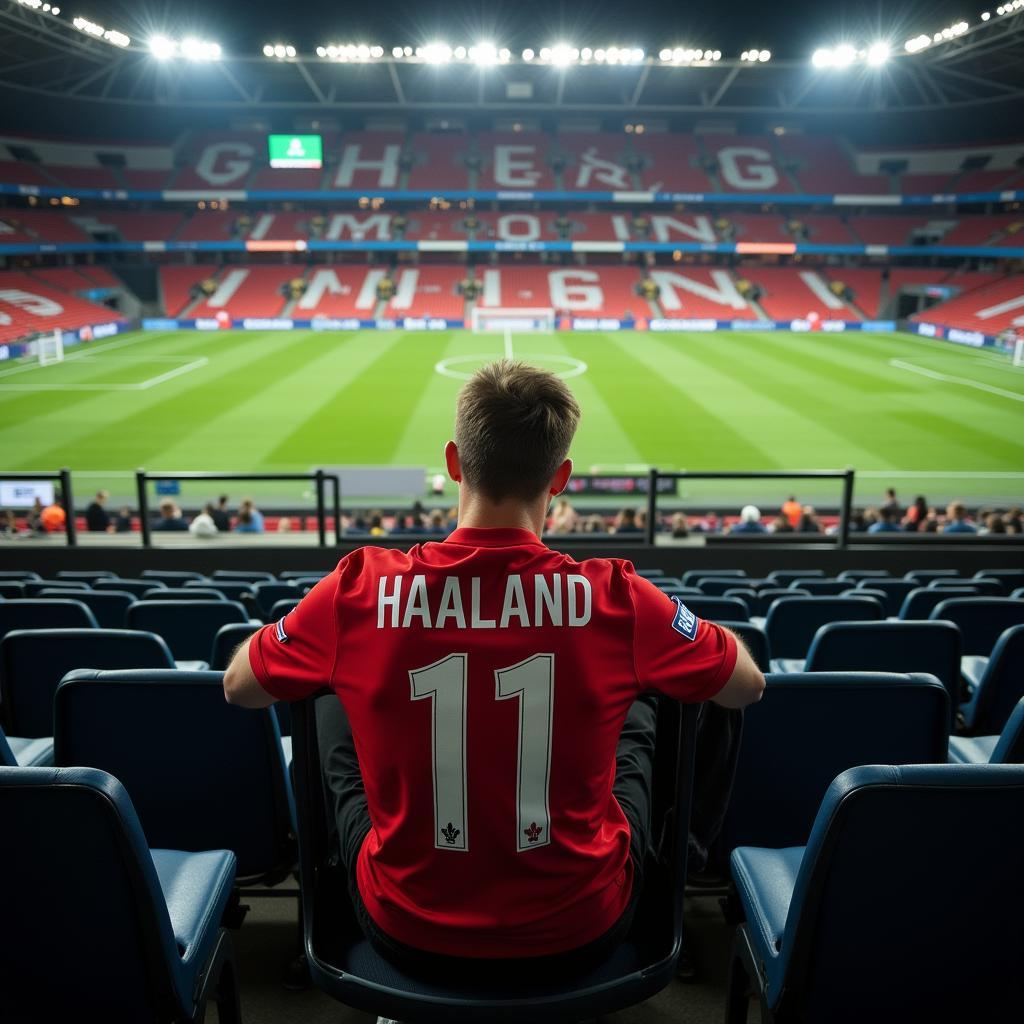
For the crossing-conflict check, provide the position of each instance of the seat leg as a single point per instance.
(737, 999)
(221, 982)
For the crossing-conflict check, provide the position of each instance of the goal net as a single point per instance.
(50, 348)
(511, 321)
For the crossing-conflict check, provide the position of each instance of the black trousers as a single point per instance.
(349, 823)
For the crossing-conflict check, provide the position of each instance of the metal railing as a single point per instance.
(62, 477)
(842, 535)
(319, 478)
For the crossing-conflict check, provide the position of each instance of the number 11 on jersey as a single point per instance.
(444, 683)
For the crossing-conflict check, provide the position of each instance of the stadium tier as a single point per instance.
(34, 303)
(988, 310)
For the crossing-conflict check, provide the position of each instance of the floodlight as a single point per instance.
(917, 43)
(376, 52)
(985, 16)
(162, 48)
(878, 53)
(600, 55)
(504, 54)
(665, 55)
(764, 56)
(562, 55)
(268, 50)
(484, 54)
(198, 49)
(528, 54)
(408, 51)
(396, 52)
(844, 55)
(435, 53)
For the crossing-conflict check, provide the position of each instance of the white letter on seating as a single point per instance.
(752, 175)
(387, 165)
(725, 293)
(530, 223)
(513, 173)
(575, 297)
(233, 170)
(376, 225)
(603, 171)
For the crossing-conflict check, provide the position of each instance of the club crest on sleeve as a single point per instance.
(282, 636)
(684, 621)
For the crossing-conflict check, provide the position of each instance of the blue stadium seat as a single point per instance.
(716, 608)
(343, 964)
(242, 576)
(932, 647)
(783, 577)
(676, 589)
(183, 594)
(693, 577)
(877, 919)
(131, 933)
(188, 626)
(10, 590)
(33, 587)
(225, 643)
(201, 773)
(1000, 687)
(791, 622)
(649, 573)
(922, 577)
(918, 604)
(826, 587)
(810, 727)
(44, 613)
(987, 588)
(879, 595)
(863, 574)
(232, 590)
(22, 575)
(1018, 594)
(1005, 748)
(130, 586)
(21, 752)
(171, 577)
(754, 637)
(895, 590)
(268, 594)
(982, 621)
(108, 606)
(744, 594)
(281, 608)
(319, 574)
(1011, 578)
(716, 586)
(33, 662)
(767, 595)
(86, 576)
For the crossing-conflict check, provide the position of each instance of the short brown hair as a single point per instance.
(513, 428)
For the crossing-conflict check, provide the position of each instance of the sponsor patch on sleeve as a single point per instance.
(684, 621)
(282, 636)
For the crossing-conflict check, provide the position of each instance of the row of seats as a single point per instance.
(28, 305)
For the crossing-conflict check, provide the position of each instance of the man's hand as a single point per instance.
(745, 685)
(241, 686)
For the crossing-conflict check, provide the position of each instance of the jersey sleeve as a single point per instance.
(295, 656)
(674, 652)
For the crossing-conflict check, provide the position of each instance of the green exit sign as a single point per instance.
(295, 150)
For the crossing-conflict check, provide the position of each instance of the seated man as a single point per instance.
(490, 759)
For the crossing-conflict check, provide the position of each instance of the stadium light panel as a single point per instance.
(435, 53)
(162, 48)
(397, 52)
(878, 54)
(844, 55)
(483, 54)
(764, 56)
(528, 54)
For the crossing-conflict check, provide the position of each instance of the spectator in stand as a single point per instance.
(437, 524)
(809, 522)
(750, 521)
(6, 523)
(781, 523)
(171, 519)
(680, 527)
(377, 525)
(123, 521)
(916, 515)
(711, 523)
(53, 518)
(221, 517)
(889, 521)
(203, 525)
(35, 517)
(890, 504)
(994, 523)
(284, 524)
(563, 518)
(1014, 521)
(625, 522)
(792, 511)
(254, 516)
(956, 519)
(641, 521)
(97, 519)
(594, 524)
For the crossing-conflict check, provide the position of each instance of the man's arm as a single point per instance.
(745, 685)
(241, 686)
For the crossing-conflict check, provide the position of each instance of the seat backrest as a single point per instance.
(923, 576)
(87, 902)
(244, 576)
(183, 594)
(895, 591)
(171, 577)
(295, 574)
(268, 594)
(898, 837)
(692, 577)
(1011, 578)
(226, 642)
(202, 774)
(1010, 748)
(130, 586)
(988, 588)
(715, 608)
(982, 620)
(791, 622)
(108, 606)
(744, 594)
(766, 595)
(783, 577)
(280, 608)
(932, 647)
(89, 576)
(233, 590)
(188, 626)
(7, 758)
(71, 587)
(24, 575)
(754, 637)
(810, 727)
(918, 604)
(1002, 683)
(813, 585)
(12, 589)
(33, 662)
(44, 613)
(863, 574)
(716, 586)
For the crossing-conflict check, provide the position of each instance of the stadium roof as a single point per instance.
(961, 66)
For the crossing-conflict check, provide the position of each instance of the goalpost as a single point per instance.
(50, 348)
(511, 321)
(1018, 350)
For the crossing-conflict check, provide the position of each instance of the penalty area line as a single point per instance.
(948, 378)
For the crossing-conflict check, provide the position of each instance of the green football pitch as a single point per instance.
(924, 416)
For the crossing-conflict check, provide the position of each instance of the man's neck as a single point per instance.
(479, 513)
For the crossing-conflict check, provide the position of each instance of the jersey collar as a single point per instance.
(482, 537)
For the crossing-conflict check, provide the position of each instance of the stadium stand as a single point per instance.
(45, 226)
(747, 163)
(990, 308)
(28, 306)
(671, 163)
(428, 291)
(700, 292)
(437, 161)
(514, 160)
(593, 161)
(249, 291)
(132, 226)
(339, 292)
(787, 294)
(822, 166)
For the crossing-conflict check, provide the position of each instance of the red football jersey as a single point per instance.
(486, 680)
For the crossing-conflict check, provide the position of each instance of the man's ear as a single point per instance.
(451, 460)
(561, 477)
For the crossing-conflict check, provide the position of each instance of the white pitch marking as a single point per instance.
(939, 474)
(170, 374)
(445, 367)
(91, 351)
(509, 354)
(144, 385)
(948, 378)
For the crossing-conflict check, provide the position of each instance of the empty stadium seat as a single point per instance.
(716, 586)
(108, 606)
(692, 577)
(170, 577)
(932, 647)
(922, 577)
(183, 594)
(815, 586)
(11, 589)
(791, 623)
(44, 613)
(744, 594)
(1005, 748)
(1011, 578)
(33, 662)
(754, 637)
(985, 587)
(188, 626)
(343, 964)
(201, 773)
(280, 608)
(136, 587)
(863, 574)
(982, 621)
(717, 608)
(895, 591)
(821, 939)
(233, 590)
(242, 576)
(268, 594)
(139, 934)
(1000, 686)
(920, 601)
(89, 576)
(33, 587)
(23, 752)
(23, 575)
(783, 577)
(767, 595)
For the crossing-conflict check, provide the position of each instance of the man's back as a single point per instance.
(487, 679)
